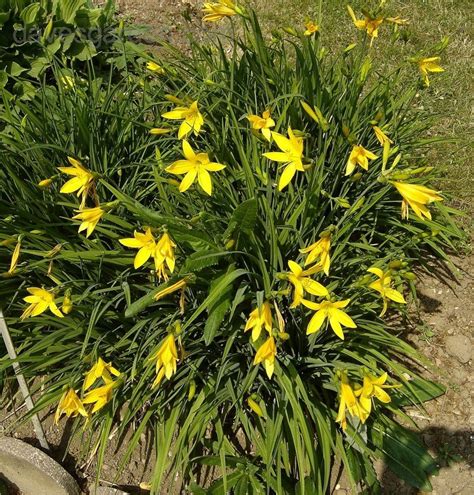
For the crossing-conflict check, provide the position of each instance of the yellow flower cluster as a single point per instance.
(71, 404)
(357, 399)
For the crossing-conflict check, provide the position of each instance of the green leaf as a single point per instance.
(420, 390)
(217, 311)
(403, 453)
(243, 218)
(69, 8)
(202, 259)
(30, 14)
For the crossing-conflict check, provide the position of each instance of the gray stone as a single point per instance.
(32, 471)
(459, 347)
(108, 490)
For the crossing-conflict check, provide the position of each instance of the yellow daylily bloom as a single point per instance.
(39, 301)
(215, 11)
(373, 387)
(301, 282)
(71, 405)
(166, 358)
(191, 117)
(427, 65)
(15, 257)
(100, 396)
(154, 67)
(382, 286)
(369, 24)
(291, 153)
(195, 165)
(145, 243)
(311, 28)
(164, 255)
(417, 197)
(333, 312)
(266, 353)
(348, 400)
(319, 249)
(90, 218)
(180, 284)
(259, 318)
(359, 156)
(263, 123)
(101, 369)
(82, 181)
(381, 136)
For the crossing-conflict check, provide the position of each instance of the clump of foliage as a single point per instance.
(240, 248)
(35, 34)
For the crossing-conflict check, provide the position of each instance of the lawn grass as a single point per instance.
(450, 94)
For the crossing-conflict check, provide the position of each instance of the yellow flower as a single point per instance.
(319, 249)
(70, 405)
(259, 318)
(145, 243)
(359, 156)
(368, 24)
(166, 358)
(180, 284)
(191, 117)
(381, 136)
(417, 197)
(154, 67)
(301, 282)
(263, 123)
(332, 311)
(101, 369)
(100, 396)
(90, 218)
(81, 182)
(311, 28)
(195, 165)
(427, 65)
(15, 256)
(382, 286)
(40, 300)
(45, 182)
(373, 387)
(215, 11)
(291, 153)
(267, 353)
(348, 400)
(164, 254)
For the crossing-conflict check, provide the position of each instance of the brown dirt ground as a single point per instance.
(446, 310)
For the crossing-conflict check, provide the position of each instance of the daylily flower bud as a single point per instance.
(45, 182)
(192, 390)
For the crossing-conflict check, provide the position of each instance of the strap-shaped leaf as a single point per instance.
(403, 453)
(244, 217)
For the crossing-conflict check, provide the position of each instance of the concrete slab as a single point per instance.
(32, 471)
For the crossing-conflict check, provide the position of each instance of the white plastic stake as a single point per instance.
(22, 382)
